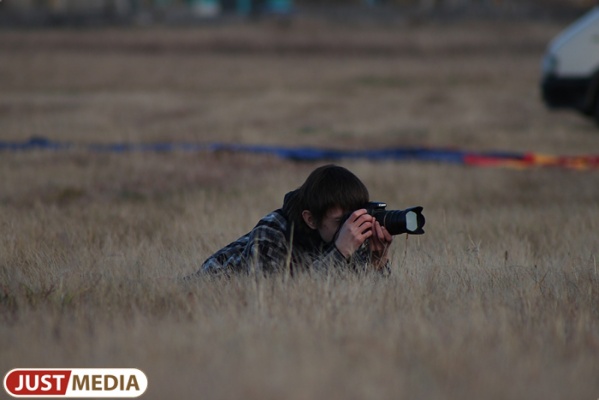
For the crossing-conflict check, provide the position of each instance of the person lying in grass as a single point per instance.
(321, 225)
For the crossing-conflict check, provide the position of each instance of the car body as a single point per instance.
(571, 67)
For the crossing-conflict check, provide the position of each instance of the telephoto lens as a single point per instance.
(411, 220)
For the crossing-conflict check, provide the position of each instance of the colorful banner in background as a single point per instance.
(481, 159)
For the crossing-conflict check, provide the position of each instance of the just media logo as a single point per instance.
(75, 382)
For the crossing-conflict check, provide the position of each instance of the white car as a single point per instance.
(571, 67)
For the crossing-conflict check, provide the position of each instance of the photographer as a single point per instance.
(309, 231)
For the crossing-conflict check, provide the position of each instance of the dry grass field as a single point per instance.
(498, 300)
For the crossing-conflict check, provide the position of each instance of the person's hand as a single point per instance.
(379, 245)
(356, 229)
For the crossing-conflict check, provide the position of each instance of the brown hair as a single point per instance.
(326, 187)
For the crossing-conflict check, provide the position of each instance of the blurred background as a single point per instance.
(81, 12)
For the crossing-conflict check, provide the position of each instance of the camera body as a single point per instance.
(411, 220)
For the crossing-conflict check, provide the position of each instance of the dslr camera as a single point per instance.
(411, 220)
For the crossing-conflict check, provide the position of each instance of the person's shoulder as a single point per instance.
(275, 219)
(272, 227)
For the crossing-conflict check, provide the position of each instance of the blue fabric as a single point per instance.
(290, 153)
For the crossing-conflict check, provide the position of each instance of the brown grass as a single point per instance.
(500, 298)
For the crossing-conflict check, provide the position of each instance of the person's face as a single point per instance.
(330, 224)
